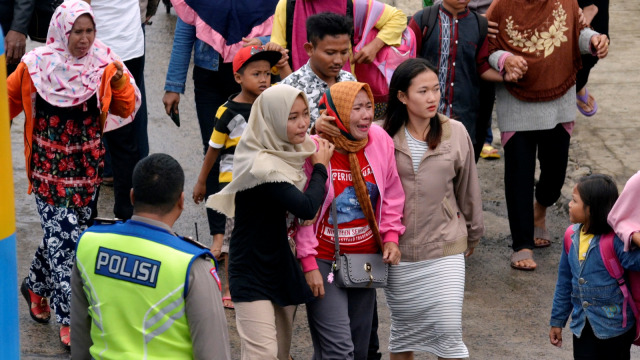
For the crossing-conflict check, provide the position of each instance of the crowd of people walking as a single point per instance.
(340, 142)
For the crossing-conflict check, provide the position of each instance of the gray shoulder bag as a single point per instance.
(356, 270)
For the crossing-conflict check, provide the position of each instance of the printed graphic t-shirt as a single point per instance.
(354, 234)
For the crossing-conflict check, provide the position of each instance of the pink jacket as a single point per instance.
(624, 217)
(380, 154)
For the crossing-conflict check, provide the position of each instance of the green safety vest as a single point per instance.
(135, 277)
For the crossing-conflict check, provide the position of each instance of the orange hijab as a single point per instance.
(338, 102)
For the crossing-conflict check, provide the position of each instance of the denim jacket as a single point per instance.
(204, 56)
(587, 291)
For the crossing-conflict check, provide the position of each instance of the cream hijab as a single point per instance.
(264, 153)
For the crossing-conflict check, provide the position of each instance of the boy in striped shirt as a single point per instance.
(252, 70)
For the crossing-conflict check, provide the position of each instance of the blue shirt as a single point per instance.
(204, 56)
(587, 291)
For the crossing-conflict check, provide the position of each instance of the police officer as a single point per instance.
(141, 291)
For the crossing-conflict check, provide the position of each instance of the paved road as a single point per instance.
(505, 311)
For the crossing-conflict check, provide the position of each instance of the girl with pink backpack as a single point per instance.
(591, 284)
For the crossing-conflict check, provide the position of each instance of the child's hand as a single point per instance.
(555, 336)
(199, 189)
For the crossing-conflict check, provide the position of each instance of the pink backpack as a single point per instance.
(615, 269)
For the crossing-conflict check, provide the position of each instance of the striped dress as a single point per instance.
(425, 298)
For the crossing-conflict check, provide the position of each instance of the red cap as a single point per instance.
(253, 53)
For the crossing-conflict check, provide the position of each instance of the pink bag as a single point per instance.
(366, 14)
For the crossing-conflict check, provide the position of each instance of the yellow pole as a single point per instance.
(9, 335)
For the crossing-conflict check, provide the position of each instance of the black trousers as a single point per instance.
(582, 77)
(124, 150)
(487, 99)
(127, 145)
(552, 149)
(589, 347)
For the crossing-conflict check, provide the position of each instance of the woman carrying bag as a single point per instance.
(363, 201)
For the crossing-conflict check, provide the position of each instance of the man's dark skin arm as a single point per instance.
(15, 41)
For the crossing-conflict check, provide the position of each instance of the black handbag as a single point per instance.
(356, 270)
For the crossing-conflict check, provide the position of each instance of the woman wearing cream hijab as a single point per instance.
(265, 278)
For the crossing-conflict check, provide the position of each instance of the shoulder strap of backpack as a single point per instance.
(615, 269)
(567, 239)
(483, 29)
(429, 20)
(483, 25)
(291, 5)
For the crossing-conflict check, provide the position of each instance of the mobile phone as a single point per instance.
(175, 116)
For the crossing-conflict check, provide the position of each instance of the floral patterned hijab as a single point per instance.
(62, 79)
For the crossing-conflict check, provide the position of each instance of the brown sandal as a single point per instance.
(41, 304)
(542, 235)
(519, 256)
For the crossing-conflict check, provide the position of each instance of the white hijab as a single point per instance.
(264, 153)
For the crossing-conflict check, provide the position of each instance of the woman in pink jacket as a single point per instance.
(369, 200)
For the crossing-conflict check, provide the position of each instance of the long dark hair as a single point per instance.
(396, 114)
(599, 192)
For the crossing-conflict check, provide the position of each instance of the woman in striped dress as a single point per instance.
(442, 215)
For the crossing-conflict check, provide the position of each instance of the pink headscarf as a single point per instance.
(624, 217)
(64, 80)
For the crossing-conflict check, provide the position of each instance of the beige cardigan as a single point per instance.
(443, 208)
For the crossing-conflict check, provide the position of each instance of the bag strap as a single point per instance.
(429, 20)
(334, 216)
(615, 269)
(567, 239)
(483, 25)
(483, 29)
(425, 20)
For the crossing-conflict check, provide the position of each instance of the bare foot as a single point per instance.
(216, 245)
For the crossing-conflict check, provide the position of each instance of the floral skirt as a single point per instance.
(50, 271)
